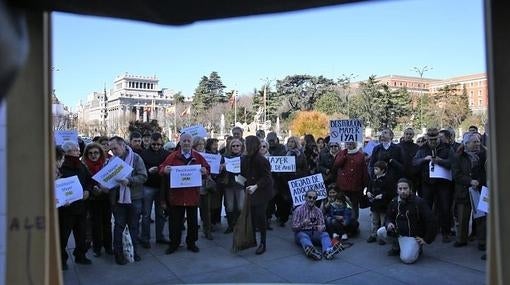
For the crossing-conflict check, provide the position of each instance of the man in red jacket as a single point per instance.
(352, 175)
(183, 200)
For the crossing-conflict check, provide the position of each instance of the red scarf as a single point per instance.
(94, 166)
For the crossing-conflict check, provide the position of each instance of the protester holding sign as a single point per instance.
(73, 217)
(259, 186)
(436, 191)
(234, 193)
(198, 145)
(211, 147)
(180, 201)
(352, 176)
(468, 169)
(279, 181)
(127, 198)
(100, 207)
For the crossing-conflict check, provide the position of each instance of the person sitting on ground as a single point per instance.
(337, 210)
(409, 224)
(380, 192)
(308, 226)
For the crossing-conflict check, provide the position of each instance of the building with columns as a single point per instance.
(131, 98)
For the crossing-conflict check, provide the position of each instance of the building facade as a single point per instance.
(131, 98)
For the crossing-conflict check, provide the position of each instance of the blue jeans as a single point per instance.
(150, 194)
(308, 238)
(126, 214)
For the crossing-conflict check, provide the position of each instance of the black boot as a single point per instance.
(230, 221)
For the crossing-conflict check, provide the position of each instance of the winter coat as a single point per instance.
(352, 172)
(464, 171)
(445, 154)
(257, 170)
(381, 185)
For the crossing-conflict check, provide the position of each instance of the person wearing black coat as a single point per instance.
(409, 223)
(73, 216)
(390, 153)
(259, 186)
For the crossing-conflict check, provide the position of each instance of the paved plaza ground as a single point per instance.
(284, 262)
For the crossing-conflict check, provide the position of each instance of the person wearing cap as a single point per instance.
(146, 140)
(437, 192)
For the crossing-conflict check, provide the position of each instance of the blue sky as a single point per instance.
(381, 38)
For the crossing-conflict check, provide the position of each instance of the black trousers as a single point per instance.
(258, 220)
(439, 197)
(75, 222)
(176, 214)
(101, 216)
(283, 204)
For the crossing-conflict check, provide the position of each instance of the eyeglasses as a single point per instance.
(156, 144)
(311, 197)
(263, 146)
(93, 152)
(333, 145)
(236, 145)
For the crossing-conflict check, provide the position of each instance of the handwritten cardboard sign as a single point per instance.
(282, 163)
(68, 190)
(346, 130)
(299, 187)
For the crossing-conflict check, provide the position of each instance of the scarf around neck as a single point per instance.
(125, 191)
(94, 166)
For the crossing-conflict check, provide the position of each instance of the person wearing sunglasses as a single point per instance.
(100, 207)
(309, 229)
(264, 148)
(153, 156)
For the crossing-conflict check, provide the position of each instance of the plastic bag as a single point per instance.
(244, 234)
(127, 246)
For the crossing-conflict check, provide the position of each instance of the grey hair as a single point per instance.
(196, 140)
(183, 135)
(69, 145)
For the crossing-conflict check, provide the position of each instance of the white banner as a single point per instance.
(299, 187)
(68, 190)
(437, 171)
(474, 196)
(62, 136)
(196, 130)
(346, 130)
(483, 203)
(233, 165)
(185, 176)
(214, 161)
(115, 169)
(282, 163)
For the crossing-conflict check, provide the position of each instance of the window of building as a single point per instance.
(479, 102)
(479, 93)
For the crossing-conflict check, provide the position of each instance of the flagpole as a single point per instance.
(265, 107)
(235, 107)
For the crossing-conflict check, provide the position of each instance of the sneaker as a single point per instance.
(313, 253)
(345, 237)
(371, 239)
(335, 241)
(332, 251)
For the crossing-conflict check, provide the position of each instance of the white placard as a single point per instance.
(196, 130)
(240, 179)
(214, 161)
(299, 187)
(437, 171)
(474, 196)
(233, 165)
(185, 176)
(483, 203)
(282, 163)
(68, 190)
(62, 136)
(115, 169)
(346, 130)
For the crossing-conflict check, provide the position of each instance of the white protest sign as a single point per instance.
(62, 136)
(115, 169)
(214, 161)
(282, 163)
(233, 165)
(483, 203)
(185, 176)
(474, 196)
(299, 187)
(437, 171)
(346, 130)
(196, 130)
(68, 190)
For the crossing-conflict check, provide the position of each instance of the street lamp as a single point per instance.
(421, 71)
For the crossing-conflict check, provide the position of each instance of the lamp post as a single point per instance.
(421, 71)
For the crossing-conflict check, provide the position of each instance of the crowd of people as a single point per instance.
(408, 205)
